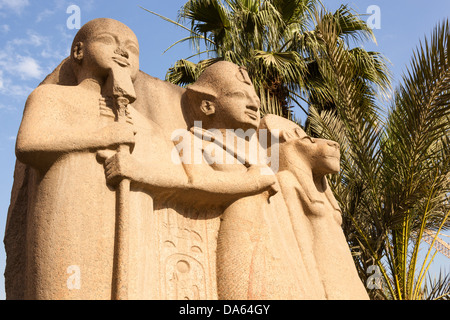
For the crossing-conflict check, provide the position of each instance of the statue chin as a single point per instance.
(332, 165)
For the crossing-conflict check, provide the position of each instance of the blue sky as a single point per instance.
(34, 38)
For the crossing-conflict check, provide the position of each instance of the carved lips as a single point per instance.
(121, 61)
(252, 112)
(334, 150)
(333, 153)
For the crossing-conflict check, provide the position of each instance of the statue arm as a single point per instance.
(203, 177)
(189, 182)
(155, 175)
(48, 130)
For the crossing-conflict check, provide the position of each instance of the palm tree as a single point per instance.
(394, 182)
(280, 45)
(395, 179)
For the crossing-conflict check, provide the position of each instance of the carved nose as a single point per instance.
(255, 100)
(253, 103)
(333, 144)
(253, 107)
(121, 52)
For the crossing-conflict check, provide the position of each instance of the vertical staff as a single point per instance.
(122, 89)
(121, 245)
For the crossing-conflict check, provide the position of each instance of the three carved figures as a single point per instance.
(220, 204)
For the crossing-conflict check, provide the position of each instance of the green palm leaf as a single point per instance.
(395, 179)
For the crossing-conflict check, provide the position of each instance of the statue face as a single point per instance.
(325, 155)
(322, 155)
(111, 45)
(237, 107)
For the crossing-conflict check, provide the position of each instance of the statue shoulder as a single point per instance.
(145, 79)
(48, 99)
(287, 180)
(47, 91)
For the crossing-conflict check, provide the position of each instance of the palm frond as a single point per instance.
(436, 288)
(185, 72)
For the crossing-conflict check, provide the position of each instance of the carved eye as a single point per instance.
(299, 132)
(133, 49)
(288, 135)
(237, 94)
(105, 39)
(311, 139)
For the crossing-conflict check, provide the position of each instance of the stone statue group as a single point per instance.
(103, 187)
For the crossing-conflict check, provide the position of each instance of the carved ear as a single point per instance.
(208, 107)
(285, 135)
(78, 51)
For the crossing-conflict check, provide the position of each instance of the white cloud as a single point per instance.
(19, 90)
(49, 48)
(27, 67)
(18, 57)
(28, 57)
(45, 14)
(14, 5)
(33, 39)
(10, 89)
(7, 108)
(2, 83)
(4, 28)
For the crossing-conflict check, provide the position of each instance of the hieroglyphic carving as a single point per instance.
(182, 258)
(187, 253)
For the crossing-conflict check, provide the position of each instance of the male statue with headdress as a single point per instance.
(252, 250)
(256, 255)
(222, 110)
(61, 230)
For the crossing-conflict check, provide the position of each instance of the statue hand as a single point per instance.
(269, 183)
(265, 182)
(273, 190)
(118, 167)
(117, 134)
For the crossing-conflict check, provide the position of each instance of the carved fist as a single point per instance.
(117, 134)
(265, 182)
(118, 167)
(270, 183)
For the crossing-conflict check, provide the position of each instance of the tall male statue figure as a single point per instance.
(67, 251)
(256, 257)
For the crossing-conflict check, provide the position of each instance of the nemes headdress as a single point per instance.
(288, 129)
(219, 75)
